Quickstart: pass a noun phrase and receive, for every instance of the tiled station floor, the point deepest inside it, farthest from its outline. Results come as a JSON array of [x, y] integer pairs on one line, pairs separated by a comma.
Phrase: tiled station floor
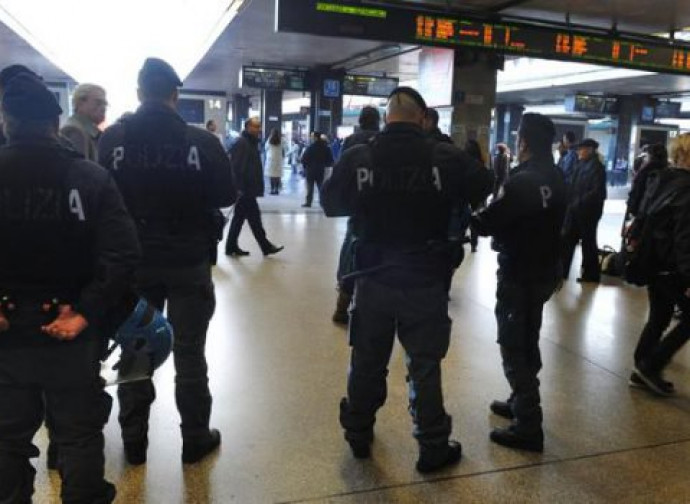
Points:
[[278, 366]]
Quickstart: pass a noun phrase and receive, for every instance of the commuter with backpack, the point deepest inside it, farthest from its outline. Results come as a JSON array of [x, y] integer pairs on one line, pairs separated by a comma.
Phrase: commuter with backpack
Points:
[[658, 244]]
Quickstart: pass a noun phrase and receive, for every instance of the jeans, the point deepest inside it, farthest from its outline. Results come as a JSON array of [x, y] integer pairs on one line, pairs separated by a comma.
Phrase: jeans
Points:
[[188, 293]]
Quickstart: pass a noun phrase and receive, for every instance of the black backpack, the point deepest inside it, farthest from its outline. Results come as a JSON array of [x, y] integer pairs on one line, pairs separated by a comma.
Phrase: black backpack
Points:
[[649, 238]]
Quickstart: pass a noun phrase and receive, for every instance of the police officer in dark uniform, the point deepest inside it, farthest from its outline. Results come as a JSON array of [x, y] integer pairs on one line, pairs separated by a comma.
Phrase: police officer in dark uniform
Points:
[[71, 255], [525, 221], [173, 178], [400, 188], [6, 75]]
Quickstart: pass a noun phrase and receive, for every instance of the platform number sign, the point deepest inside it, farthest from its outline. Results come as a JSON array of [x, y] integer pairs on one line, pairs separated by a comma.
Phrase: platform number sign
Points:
[[331, 88]]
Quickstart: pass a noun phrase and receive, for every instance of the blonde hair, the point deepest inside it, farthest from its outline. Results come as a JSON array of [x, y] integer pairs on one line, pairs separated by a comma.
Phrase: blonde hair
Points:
[[82, 93], [680, 151]]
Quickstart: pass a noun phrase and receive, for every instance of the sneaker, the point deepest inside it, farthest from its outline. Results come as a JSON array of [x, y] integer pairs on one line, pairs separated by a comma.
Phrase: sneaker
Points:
[[511, 438], [193, 450], [502, 409], [427, 465], [236, 252], [135, 452], [655, 382], [271, 249]]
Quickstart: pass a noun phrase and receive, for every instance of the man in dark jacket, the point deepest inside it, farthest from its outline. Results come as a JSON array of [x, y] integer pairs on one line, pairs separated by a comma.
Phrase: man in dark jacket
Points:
[[586, 196], [248, 173], [174, 178], [369, 125], [71, 258], [525, 221], [670, 285], [315, 159], [431, 127], [400, 188], [569, 159]]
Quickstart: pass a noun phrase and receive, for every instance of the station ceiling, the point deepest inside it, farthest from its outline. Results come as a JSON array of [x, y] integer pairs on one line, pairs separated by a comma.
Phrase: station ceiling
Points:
[[250, 39]]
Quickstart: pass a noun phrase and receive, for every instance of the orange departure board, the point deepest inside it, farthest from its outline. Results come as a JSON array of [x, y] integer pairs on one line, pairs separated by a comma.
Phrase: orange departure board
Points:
[[354, 19]]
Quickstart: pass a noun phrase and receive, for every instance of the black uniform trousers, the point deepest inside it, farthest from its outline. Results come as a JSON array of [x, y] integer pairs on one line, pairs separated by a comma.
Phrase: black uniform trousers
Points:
[[61, 380], [652, 352], [188, 293], [246, 208], [419, 316], [346, 260], [584, 230], [313, 177], [519, 306]]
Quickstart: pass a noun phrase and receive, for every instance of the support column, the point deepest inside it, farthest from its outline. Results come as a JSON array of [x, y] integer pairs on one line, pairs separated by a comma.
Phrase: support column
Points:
[[508, 117], [473, 98], [271, 111], [326, 107], [240, 111]]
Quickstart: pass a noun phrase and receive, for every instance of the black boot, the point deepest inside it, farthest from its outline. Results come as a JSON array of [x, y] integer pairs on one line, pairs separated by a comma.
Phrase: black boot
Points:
[[430, 461], [512, 438], [340, 315], [503, 408], [195, 449]]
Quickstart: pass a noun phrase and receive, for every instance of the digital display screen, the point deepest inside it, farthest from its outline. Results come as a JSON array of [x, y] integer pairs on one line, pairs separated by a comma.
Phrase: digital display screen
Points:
[[667, 109], [365, 85], [273, 78], [191, 110], [400, 25]]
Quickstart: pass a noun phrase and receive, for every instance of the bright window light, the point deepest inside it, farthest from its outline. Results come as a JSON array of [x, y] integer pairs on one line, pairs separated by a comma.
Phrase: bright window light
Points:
[[527, 73], [106, 42]]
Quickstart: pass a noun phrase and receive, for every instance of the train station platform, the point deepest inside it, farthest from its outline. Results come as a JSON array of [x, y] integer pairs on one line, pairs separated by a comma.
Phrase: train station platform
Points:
[[278, 366]]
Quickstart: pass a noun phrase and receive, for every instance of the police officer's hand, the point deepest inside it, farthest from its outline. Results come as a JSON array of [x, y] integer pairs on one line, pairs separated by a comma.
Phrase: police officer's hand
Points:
[[68, 324]]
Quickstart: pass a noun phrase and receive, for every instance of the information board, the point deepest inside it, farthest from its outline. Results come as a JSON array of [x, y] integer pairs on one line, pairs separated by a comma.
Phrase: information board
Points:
[[273, 78], [366, 85], [414, 26]]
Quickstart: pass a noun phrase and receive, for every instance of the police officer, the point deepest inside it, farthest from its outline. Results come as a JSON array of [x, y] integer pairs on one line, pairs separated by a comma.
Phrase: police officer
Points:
[[400, 188], [72, 255], [173, 178], [6, 75], [525, 221]]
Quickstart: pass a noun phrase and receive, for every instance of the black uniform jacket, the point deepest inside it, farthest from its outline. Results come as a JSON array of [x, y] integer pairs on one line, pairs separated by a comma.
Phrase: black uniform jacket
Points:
[[400, 188], [66, 234], [173, 178], [586, 193], [525, 220], [247, 170]]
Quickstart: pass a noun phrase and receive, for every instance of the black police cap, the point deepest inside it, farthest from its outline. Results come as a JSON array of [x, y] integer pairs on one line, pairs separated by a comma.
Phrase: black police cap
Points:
[[26, 97], [412, 93], [156, 69], [10, 72]]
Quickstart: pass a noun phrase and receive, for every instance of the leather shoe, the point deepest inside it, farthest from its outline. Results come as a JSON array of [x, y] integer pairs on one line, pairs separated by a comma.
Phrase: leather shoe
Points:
[[236, 251], [135, 452], [502, 409], [511, 438], [272, 249], [195, 449], [426, 464]]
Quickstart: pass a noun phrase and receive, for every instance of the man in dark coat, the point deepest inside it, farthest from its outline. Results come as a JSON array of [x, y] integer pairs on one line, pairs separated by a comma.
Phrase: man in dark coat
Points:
[[71, 257], [315, 159], [174, 178], [248, 174], [586, 196], [525, 221]]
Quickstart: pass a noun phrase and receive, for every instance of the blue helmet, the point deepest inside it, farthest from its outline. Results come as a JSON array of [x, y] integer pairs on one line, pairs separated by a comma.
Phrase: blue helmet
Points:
[[146, 331]]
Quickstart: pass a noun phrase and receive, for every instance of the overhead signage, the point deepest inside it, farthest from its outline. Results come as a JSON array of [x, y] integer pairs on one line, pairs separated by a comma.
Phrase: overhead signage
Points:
[[331, 88], [592, 104], [367, 85], [273, 78], [414, 26]]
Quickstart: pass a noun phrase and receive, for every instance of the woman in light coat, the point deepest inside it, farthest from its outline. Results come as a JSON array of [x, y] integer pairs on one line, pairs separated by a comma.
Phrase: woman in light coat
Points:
[[274, 160]]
